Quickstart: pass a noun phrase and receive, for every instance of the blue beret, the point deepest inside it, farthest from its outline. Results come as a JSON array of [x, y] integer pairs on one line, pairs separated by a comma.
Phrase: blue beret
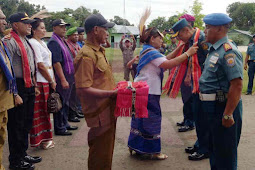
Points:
[[217, 19], [179, 25]]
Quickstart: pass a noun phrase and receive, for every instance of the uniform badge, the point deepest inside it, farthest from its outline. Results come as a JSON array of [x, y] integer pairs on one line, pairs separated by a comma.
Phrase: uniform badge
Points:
[[205, 46], [211, 65], [230, 59], [214, 59], [227, 46]]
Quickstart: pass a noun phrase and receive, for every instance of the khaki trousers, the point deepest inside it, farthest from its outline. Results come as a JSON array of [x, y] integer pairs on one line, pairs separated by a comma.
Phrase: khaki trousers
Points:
[[101, 145]]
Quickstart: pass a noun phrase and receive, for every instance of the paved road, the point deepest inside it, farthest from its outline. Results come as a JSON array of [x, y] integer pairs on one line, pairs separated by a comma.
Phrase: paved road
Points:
[[70, 153]]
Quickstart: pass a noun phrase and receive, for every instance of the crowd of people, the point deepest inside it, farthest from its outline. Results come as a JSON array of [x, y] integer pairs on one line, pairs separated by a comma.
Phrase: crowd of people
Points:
[[30, 71], [206, 66]]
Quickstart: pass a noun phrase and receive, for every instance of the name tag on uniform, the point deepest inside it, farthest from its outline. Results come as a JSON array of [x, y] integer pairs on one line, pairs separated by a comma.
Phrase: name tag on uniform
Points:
[[214, 59]]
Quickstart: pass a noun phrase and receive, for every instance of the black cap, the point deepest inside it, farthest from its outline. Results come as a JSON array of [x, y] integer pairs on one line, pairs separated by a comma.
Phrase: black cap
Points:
[[97, 20], [253, 36], [60, 22], [80, 30], [21, 17]]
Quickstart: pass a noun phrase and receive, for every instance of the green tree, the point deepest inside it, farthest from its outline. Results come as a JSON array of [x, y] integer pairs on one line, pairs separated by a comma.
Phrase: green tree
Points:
[[9, 7], [196, 12], [238, 40], [120, 21], [160, 23], [12, 6], [26, 7], [95, 11], [81, 13], [243, 15], [252, 30], [172, 20], [66, 15]]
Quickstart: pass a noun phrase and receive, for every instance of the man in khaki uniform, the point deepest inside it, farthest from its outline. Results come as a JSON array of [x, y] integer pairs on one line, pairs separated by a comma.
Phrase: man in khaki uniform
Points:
[[6, 78], [127, 49], [95, 84]]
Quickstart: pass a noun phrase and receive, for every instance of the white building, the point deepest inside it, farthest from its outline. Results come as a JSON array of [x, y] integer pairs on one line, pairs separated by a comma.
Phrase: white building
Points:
[[119, 30]]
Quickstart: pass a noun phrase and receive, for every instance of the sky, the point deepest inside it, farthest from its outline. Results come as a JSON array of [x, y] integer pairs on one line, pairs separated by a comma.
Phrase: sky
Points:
[[135, 8]]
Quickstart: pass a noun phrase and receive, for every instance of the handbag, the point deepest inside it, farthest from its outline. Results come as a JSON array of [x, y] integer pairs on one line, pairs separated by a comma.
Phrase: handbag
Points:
[[54, 103]]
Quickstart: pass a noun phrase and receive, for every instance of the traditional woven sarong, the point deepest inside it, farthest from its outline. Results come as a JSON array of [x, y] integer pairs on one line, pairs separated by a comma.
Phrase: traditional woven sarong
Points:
[[132, 99], [41, 129], [145, 132]]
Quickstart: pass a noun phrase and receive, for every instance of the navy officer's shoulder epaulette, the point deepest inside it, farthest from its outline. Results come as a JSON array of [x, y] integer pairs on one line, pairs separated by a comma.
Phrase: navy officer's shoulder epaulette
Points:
[[227, 47]]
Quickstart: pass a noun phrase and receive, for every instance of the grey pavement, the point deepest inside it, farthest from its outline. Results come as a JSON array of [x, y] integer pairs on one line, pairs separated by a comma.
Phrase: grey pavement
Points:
[[71, 152]]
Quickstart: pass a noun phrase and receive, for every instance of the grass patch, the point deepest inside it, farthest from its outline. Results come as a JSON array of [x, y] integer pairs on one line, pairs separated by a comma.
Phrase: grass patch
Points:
[[118, 77], [245, 78], [115, 54]]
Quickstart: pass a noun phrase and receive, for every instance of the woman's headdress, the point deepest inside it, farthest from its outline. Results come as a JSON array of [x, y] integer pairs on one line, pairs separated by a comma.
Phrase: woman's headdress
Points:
[[146, 33]]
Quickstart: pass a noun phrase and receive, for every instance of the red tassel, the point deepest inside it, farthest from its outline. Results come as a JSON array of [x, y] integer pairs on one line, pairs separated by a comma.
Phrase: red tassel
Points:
[[124, 100]]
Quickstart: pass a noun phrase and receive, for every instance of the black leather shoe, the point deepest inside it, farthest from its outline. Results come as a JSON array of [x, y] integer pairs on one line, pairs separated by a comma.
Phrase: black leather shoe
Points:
[[185, 128], [65, 133], [190, 149], [75, 119], [79, 115], [32, 159], [248, 93], [22, 166], [180, 123], [72, 128], [198, 156]]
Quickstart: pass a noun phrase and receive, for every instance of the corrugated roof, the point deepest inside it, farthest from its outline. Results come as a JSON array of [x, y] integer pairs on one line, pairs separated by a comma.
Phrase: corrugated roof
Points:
[[244, 32], [122, 29]]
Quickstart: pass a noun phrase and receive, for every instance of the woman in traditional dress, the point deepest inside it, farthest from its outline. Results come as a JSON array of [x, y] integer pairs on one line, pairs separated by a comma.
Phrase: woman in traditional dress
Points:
[[41, 133], [144, 136]]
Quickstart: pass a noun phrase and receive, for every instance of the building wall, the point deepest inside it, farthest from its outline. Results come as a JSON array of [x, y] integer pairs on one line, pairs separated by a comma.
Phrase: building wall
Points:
[[117, 38]]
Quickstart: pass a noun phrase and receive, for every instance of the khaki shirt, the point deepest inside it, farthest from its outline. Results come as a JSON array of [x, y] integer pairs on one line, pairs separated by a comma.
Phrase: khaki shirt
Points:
[[93, 70], [127, 52], [6, 98]]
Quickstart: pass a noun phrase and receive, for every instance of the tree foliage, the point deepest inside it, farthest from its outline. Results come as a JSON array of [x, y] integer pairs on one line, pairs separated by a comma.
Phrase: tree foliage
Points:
[[74, 17], [196, 12], [243, 15], [120, 21], [66, 15], [12, 6], [239, 40], [162, 23]]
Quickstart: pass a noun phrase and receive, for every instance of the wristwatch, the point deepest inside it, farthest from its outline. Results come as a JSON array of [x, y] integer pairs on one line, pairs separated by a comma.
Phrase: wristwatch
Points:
[[227, 117]]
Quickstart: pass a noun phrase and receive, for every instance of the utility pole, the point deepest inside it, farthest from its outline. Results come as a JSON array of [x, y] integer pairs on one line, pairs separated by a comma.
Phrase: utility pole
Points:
[[124, 21]]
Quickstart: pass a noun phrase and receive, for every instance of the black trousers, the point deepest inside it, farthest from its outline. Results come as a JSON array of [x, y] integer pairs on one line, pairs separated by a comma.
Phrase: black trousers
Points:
[[20, 123]]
